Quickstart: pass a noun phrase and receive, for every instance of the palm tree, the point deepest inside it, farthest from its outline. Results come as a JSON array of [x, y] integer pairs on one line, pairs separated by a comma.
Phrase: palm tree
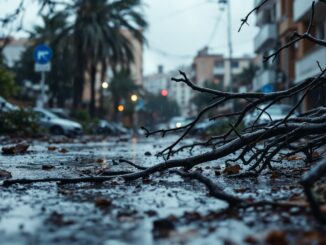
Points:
[[99, 38]]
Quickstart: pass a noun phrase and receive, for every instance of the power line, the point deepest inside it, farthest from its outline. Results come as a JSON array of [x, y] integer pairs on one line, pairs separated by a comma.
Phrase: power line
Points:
[[215, 28], [171, 55], [181, 11]]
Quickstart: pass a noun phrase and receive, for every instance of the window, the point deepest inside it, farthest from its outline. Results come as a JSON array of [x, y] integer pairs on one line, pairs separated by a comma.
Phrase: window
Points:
[[219, 64], [235, 64]]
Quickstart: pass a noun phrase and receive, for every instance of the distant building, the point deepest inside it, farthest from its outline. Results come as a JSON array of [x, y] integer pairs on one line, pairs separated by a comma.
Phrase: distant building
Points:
[[216, 68], [181, 92], [156, 82], [14, 49], [205, 67]]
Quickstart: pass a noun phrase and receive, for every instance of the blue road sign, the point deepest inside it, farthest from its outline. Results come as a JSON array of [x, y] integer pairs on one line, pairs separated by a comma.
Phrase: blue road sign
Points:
[[42, 54], [268, 88]]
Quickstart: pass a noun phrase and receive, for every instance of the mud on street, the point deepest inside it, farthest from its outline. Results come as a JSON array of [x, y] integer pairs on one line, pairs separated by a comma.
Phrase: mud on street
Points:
[[162, 209]]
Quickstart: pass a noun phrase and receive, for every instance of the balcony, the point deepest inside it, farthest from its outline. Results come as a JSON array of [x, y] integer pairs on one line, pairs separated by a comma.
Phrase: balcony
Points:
[[218, 70], [266, 36], [263, 78], [307, 66]]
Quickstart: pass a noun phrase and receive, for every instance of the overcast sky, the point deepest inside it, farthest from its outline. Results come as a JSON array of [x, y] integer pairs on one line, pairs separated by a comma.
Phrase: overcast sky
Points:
[[179, 28]]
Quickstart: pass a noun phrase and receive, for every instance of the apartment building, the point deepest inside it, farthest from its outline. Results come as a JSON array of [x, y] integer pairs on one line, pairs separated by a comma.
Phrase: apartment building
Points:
[[157, 82], [308, 53], [266, 41], [277, 21], [216, 68]]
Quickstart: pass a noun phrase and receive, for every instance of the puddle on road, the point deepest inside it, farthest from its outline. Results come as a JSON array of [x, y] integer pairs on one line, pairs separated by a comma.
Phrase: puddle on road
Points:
[[21, 218]]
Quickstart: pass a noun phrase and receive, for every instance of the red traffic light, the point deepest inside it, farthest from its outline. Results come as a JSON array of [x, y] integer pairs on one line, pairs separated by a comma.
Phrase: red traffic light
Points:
[[164, 92]]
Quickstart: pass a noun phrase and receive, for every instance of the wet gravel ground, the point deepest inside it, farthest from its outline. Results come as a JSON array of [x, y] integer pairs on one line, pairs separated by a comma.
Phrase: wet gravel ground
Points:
[[164, 209]]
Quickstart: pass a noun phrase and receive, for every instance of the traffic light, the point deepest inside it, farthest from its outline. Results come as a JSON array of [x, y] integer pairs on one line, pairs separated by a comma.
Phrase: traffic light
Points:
[[164, 92]]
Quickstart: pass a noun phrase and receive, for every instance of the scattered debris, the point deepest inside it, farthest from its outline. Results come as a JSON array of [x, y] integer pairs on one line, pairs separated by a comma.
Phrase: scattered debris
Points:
[[162, 228], [4, 174], [103, 203], [52, 148], [19, 148], [58, 219], [147, 153], [47, 167], [63, 150], [232, 169], [276, 238]]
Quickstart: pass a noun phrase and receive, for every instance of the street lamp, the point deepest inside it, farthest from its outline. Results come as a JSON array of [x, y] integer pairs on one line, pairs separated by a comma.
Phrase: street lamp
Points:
[[121, 108], [105, 85], [134, 98]]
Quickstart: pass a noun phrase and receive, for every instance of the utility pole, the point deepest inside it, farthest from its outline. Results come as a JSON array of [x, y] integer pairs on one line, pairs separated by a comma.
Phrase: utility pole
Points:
[[230, 48]]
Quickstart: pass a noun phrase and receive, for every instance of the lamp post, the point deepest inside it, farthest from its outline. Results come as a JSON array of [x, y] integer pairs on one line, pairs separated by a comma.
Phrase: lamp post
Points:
[[134, 99], [103, 88]]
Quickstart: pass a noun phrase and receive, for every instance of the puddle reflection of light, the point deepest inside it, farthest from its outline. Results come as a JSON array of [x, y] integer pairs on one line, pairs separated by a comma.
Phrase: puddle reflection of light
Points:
[[134, 144]]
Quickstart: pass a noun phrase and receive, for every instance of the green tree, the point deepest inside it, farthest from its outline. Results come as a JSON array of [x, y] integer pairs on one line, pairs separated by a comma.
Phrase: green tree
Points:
[[99, 39], [160, 108], [7, 82], [122, 87]]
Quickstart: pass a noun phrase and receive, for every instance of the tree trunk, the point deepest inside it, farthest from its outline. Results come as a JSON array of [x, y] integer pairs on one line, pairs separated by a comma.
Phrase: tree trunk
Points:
[[79, 80], [92, 108]]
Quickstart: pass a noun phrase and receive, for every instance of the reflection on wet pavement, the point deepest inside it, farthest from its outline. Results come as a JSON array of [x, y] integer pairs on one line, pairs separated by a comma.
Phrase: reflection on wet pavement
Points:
[[116, 212]]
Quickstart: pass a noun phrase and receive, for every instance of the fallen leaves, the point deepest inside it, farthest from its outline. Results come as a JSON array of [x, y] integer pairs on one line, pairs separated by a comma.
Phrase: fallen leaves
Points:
[[103, 203], [276, 238], [59, 220], [232, 169], [251, 240], [63, 150], [293, 158], [52, 148], [100, 160], [19, 148], [4, 174], [162, 228]]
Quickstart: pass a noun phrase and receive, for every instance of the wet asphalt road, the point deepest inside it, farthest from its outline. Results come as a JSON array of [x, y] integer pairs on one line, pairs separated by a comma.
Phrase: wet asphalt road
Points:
[[164, 209]]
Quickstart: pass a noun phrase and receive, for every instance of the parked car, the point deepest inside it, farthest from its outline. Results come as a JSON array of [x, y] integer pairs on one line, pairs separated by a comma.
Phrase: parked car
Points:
[[207, 125], [177, 122], [62, 113], [274, 112], [57, 125], [111, 128], [5, 106], [119, 128]]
